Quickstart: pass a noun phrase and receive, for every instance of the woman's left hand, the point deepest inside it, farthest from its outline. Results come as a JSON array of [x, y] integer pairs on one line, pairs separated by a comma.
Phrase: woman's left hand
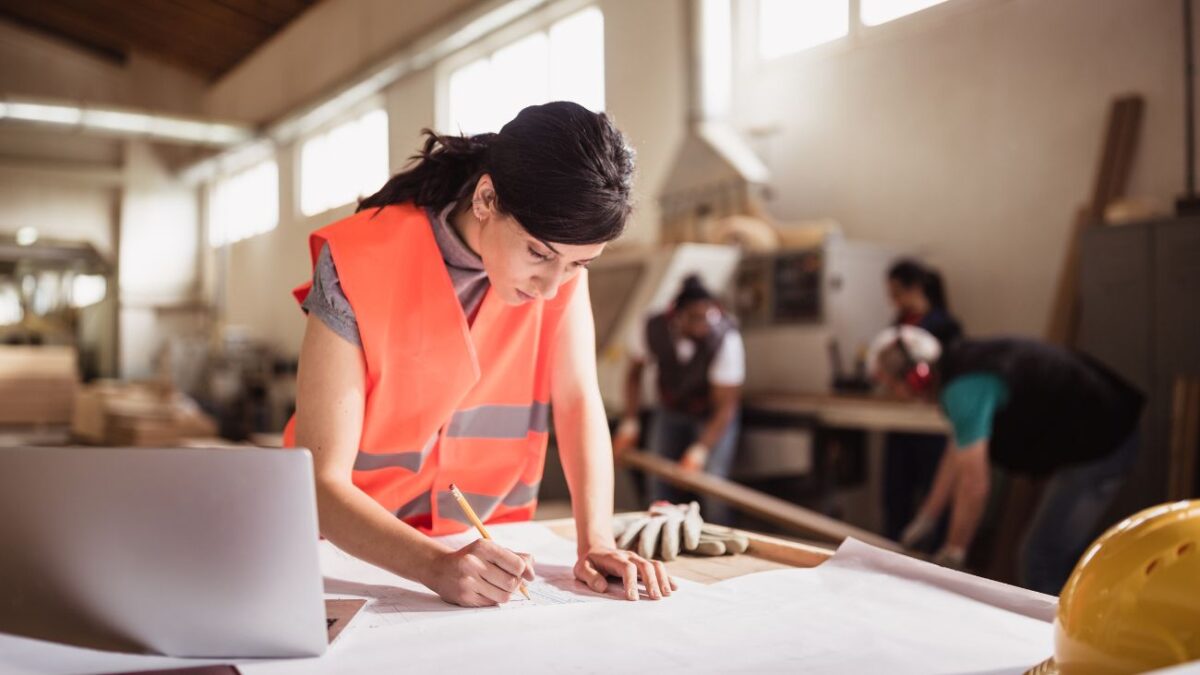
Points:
[[600, 563]]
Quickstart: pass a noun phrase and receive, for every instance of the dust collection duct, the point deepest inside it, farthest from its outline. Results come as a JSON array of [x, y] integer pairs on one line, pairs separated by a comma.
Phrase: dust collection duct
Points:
[[715, 175]]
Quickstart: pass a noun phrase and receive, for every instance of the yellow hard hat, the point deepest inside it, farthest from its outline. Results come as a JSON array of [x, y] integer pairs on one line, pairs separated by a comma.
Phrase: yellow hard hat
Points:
[[1132, 603]]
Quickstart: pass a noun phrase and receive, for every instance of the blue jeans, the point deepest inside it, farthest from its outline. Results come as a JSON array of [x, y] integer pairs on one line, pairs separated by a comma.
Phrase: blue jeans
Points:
[[1069, 514], [910, 462], [670, 436]]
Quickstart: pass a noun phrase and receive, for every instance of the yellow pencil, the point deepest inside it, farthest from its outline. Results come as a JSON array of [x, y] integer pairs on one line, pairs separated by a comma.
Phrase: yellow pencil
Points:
[[466, 507]]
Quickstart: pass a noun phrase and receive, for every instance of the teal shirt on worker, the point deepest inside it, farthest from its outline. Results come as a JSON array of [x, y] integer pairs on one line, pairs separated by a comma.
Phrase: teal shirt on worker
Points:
[[971, 402]]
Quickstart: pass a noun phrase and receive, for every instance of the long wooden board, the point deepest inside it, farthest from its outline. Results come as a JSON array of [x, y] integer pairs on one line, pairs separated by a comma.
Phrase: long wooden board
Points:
[[795, 518]]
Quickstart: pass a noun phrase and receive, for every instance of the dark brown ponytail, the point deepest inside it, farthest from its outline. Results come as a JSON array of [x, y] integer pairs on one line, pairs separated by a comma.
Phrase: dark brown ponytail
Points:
[[563, 172]]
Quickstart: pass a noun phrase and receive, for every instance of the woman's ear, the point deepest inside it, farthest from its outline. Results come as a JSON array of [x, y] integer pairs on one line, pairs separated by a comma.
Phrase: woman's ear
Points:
[[484, 200]]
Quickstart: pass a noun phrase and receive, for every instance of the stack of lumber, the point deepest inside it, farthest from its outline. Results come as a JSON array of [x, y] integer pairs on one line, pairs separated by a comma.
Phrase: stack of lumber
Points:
[[37, 384], [137, 414]]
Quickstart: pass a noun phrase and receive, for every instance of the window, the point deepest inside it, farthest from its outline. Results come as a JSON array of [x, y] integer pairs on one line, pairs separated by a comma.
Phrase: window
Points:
[[788, 26], [875, 12], [10, 304], [244, 204], [88, 289], [343, 164], [562, 63]]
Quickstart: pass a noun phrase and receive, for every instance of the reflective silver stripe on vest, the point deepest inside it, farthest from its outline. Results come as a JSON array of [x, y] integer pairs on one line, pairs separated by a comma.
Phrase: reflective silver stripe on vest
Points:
[[485, 505], [419, 506], [500, 421], [413, 461], [521, 494]]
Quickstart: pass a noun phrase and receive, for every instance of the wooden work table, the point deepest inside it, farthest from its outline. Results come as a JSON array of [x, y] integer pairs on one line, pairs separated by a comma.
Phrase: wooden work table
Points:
[[845, 411], [874, 416]]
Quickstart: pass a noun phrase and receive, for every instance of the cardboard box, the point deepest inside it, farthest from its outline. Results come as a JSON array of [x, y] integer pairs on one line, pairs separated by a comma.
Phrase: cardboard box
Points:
[[137, 414], [37, 384]]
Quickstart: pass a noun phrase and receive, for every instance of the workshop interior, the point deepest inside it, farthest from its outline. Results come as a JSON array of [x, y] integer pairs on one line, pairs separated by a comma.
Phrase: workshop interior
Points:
[[849, 316]]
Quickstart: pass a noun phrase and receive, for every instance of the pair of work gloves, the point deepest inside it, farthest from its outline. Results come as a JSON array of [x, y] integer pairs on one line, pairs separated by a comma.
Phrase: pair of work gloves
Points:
[[667, 530], [919, 531]]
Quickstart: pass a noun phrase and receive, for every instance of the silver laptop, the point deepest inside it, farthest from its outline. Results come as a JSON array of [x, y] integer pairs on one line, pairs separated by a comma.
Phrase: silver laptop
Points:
[[184, 552]]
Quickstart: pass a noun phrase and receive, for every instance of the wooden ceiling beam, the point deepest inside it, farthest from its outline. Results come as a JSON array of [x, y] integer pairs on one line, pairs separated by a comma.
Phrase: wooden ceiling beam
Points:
[[208, 37]]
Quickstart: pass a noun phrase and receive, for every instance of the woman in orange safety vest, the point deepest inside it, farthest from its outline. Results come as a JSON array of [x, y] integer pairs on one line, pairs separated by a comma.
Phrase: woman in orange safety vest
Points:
[[444, 319]]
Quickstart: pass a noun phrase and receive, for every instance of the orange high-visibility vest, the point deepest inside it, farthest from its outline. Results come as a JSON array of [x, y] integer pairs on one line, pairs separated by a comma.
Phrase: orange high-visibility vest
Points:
[[445, 403]]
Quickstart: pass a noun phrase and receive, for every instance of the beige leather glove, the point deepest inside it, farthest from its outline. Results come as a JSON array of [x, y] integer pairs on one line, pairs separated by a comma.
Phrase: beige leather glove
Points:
[[667, 530], [659, 532], [718, 540]]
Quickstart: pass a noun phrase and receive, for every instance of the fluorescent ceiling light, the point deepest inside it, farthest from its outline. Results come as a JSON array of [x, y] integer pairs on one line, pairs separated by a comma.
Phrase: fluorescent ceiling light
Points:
[[38, 112], [110, 120], [130, 123]]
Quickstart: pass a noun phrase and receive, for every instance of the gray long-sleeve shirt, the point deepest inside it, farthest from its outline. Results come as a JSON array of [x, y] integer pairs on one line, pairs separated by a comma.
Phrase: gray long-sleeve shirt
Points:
[[329, 303]]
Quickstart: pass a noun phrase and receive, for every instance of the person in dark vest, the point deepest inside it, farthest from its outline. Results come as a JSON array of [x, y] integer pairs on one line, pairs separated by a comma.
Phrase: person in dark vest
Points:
[[701, 365], [1029, 408], [910, 460]]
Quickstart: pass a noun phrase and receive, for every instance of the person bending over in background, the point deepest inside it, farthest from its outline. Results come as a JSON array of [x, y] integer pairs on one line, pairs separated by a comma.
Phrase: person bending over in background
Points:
[[1032, 409], [911, 460], [701, 366]]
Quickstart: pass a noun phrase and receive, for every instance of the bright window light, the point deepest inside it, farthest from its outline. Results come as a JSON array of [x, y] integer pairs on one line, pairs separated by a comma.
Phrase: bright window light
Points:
[[88, 289], [346, 163], [789, 26], [10, 305], [244, 204], [716, 57], [875, 12], [577, 59], [563, 63], [47, 292]]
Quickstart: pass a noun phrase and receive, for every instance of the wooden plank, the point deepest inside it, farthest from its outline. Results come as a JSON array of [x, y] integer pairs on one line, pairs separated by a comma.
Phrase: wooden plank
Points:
[[1120, 146], [778, 511], [1064, 312], [1112, 177], [36, 17], [786, 552]]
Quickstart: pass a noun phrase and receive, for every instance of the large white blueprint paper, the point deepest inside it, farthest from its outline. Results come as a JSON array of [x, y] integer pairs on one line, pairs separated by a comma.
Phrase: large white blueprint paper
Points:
[[865, 610], [854, 554], [852, 614]]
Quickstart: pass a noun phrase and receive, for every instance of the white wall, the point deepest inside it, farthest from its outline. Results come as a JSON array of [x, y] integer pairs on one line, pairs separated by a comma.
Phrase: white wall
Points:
[[158, 255], [260, 272], [972, 134], [89, 188], [70, 210]]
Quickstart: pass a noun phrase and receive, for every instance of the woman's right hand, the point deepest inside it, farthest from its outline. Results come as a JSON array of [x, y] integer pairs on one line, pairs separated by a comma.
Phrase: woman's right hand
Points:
[[480, 574]]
